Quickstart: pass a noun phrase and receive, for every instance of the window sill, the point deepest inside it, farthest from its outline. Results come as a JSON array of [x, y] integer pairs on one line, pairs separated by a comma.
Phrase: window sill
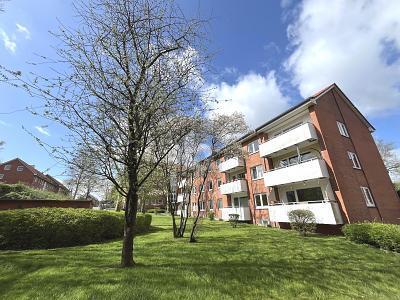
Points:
[[254, 152], [261, 207], [357, 168], [371, 206]]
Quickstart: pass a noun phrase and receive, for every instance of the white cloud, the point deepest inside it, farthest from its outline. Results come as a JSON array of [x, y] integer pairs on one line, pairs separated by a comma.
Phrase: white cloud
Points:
[[4, 123], [42, 130], [24, 30], [9, 43], [353, 43], [258, 97]]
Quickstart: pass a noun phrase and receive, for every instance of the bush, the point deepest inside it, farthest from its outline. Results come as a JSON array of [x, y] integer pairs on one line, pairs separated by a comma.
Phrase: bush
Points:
[[211, 216], [385, 236], [42, 228], [23, 192], [233, 219], [302, 220], [156, 211]]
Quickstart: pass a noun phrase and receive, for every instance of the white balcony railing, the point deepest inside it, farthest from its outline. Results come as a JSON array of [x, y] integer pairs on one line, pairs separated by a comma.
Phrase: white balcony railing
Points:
[[296, 136], [243, 212], [311, 169], [233, 187], [325, 212], [231, 165]]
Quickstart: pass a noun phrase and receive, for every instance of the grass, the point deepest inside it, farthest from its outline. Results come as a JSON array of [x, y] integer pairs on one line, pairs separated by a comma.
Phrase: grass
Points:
[[246, 262]]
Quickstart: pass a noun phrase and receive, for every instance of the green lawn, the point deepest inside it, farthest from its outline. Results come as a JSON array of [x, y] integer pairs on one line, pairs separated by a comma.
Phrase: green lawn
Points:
[[247, 262]]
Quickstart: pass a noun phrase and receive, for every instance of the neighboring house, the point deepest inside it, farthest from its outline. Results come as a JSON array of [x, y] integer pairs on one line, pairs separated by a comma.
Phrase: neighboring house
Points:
[[17, 171], [319, 155]]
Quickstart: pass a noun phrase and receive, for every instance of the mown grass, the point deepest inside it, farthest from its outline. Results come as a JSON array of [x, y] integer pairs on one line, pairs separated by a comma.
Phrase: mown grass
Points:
[[246, 262]]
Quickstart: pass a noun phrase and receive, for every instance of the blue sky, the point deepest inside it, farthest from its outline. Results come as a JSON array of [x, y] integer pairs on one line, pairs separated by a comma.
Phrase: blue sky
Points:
[[268, 54]]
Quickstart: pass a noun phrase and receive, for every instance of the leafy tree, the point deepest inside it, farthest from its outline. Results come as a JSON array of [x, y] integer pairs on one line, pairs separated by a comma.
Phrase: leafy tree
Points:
[[303, 221]]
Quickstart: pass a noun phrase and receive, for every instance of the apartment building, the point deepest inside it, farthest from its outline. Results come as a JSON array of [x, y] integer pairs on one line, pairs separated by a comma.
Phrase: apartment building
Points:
[[18, 171], [319, 155]]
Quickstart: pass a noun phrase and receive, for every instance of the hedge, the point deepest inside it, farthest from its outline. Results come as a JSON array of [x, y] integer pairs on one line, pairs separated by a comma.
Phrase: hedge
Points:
[[22, 192], [43, 228], [385, 236]]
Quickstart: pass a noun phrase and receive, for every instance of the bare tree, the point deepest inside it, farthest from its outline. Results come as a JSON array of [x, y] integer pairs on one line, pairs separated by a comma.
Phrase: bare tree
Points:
[[129, 86], [389, 157], [222, 132]]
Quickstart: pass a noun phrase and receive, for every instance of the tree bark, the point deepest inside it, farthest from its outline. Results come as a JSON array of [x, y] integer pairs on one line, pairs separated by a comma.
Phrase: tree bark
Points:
[[127, 256]]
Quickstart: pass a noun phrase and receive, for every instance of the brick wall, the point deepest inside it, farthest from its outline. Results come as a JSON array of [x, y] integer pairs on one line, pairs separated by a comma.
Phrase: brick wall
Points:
[[345, 180]]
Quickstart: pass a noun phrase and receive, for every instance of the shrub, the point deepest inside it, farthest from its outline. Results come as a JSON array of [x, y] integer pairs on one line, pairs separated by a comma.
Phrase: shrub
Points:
[[302, 220], [385, 236], [211, 216], [42, 228], [156, 211], [233, 219], [23, 192]]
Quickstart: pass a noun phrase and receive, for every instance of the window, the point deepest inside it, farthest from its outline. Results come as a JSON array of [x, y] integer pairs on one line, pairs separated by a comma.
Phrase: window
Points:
[[219, 203], [229, 204], [218, 162], [295, 159], [235, 202], [261, 200], [20, 168], [257, 172], [201, 205], [354, 159], [310, 194], [211, 204], [253, 147], [367, 196], [201, 188], [1, 176], [219, 182], [7, 167], [291, 196], [342, 129], [210, 185]]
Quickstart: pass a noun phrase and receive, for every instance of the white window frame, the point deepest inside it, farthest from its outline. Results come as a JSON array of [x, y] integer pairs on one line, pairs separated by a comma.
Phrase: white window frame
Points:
[[369, 200], [263, 205], [260, 175], [20, 168], [1, 176], [211, 204], [251, 147], [354, 159], [219, 182], [342, 129], [7, 167], [210, 185]]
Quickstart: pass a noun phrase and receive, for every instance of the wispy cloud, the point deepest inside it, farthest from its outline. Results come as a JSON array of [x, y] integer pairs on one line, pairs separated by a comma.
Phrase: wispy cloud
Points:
[[43, 130], [4, 123], [24, 30], [9, 43]]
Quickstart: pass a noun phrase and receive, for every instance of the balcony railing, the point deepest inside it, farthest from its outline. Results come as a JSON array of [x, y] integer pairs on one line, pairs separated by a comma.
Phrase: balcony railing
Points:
[[325, 211], [296, 136], [231, 165], [243, 212], [233, 187], [306, 170]]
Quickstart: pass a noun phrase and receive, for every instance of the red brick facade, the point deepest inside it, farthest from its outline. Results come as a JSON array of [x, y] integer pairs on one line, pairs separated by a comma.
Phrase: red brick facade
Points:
[[18, 171], [342, 186]]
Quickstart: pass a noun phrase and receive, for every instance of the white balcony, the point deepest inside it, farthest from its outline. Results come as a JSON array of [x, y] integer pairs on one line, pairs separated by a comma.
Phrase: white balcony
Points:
[[299, 135], [307, 170], [326, 212], [238, 186], [231, 165], [243, 212], [179, 198]]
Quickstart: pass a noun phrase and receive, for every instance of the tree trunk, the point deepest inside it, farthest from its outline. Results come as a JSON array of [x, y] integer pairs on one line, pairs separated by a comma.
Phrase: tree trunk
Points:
[[131, 206]]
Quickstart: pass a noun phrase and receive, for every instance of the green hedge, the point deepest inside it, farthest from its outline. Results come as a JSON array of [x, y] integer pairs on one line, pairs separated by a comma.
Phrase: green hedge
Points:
[[385, 236], [43, 228], [23, 192]]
